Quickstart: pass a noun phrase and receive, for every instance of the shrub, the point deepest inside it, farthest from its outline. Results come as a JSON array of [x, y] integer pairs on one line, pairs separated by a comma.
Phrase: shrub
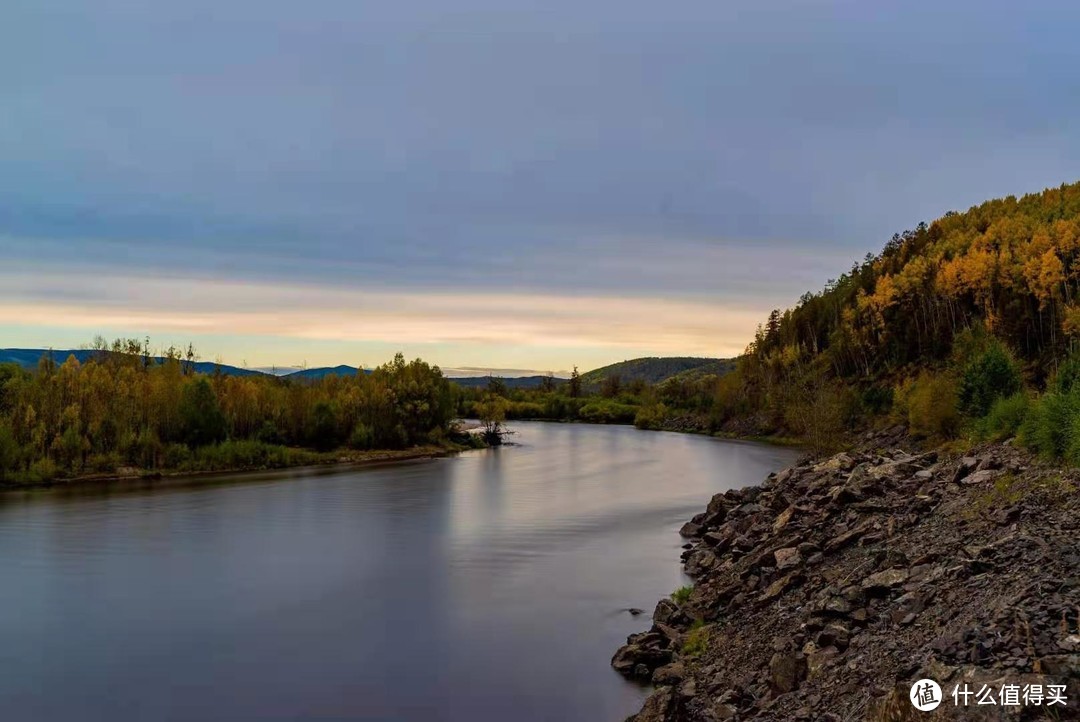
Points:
[[362, 437], [1067, 375], [1047, 427], [1005, 418], [821, 413], [103, 463], [247, 455], [177, 456], [989, 376], [69, 447], [876, 399], [608, 412], [651, 417], [931, 402], [682, 594], [268, 433], [42, 470], [525, 410], [147, 449]]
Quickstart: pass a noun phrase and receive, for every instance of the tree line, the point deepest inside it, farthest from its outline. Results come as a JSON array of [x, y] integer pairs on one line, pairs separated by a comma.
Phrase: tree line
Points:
[[967, 326], [127, 407], [913, 333]]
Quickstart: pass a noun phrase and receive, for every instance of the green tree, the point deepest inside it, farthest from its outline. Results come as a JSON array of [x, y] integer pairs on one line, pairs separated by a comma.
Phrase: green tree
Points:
[[611, 386], [574, 384], [9, 450], [492, 413], [989, 376], [325, 429], [201, 419]]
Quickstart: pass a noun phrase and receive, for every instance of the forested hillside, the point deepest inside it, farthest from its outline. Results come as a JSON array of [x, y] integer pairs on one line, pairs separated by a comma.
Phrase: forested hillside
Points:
[[653, 369], [946, 321]]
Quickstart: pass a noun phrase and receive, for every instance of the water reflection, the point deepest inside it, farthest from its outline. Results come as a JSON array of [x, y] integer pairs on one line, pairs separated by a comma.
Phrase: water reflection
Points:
[[485, 586]]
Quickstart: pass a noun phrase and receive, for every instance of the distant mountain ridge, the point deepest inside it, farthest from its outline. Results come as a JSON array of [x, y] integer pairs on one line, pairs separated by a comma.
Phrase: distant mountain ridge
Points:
[[324, 371], [652, 370], [29, 357]]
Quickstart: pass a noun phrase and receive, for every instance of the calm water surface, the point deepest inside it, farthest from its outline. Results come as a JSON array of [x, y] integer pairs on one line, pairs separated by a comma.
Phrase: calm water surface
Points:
[[483, 587]]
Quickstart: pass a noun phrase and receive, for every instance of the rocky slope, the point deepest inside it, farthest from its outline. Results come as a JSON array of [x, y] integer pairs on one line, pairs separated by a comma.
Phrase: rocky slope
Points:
[[826, 591]]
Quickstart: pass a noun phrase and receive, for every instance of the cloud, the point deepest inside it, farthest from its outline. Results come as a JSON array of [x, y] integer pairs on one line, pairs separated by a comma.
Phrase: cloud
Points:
[[177, 306], [710, 158]]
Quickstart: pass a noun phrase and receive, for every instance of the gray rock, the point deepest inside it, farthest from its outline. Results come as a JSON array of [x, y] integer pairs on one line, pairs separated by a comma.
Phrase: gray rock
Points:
[[787, 558], [885, 580], [690, 529], [665, 610], [669, 674], [965, 467], [786, 671], [983, 476]]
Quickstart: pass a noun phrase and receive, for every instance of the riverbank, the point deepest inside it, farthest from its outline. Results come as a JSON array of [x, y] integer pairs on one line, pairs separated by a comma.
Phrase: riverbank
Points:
[[826, 591], [304, 460], [687, 425], [273, 458]]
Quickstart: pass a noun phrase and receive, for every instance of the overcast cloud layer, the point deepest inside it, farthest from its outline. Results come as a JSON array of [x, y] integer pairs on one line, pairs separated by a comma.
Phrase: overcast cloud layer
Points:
[[580, 181]]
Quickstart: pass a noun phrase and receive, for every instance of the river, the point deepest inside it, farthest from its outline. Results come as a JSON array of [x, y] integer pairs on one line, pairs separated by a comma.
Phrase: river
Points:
[[487, 586]]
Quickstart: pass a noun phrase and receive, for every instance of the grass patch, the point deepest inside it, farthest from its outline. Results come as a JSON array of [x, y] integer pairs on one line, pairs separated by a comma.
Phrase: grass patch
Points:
[[697, 639], [682, 595], [1005, 418], [1010, 489]]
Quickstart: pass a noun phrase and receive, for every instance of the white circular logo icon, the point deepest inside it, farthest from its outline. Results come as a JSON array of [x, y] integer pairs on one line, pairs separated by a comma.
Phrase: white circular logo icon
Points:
[[925, 695]]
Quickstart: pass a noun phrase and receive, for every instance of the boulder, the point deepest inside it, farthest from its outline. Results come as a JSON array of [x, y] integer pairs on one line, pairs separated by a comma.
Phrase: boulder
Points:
[[819, 660], [641, 654], [834, 635], [786, 671], [840, 462], [966, 466], [787, 558], [670, 674], [659, 706], [983, 476], [884, 581], [783, 519], [700, 561], [690, 529], [665, 610]]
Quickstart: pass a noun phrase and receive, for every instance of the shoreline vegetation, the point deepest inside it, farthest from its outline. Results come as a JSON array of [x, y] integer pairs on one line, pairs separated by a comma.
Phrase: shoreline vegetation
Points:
[[299, 462], [127, 413]]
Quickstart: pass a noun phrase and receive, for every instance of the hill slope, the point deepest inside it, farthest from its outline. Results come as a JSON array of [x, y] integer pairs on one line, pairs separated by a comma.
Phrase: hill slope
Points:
[[655, 369], [901, 326]]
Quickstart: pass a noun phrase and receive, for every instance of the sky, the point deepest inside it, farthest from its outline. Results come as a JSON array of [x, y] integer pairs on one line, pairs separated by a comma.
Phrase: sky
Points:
[[495, 184]]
